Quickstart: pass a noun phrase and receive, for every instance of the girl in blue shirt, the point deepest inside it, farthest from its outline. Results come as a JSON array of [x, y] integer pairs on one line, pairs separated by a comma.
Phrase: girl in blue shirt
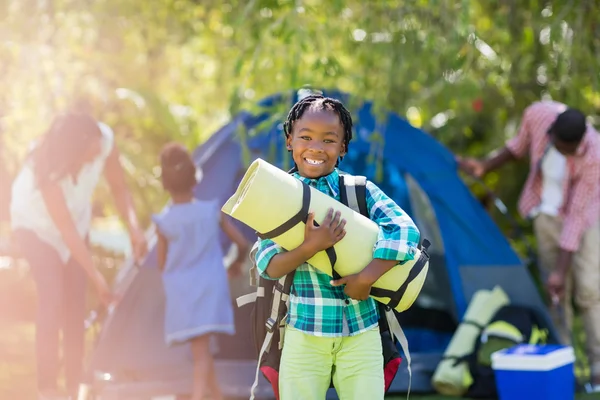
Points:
[[198, 303]]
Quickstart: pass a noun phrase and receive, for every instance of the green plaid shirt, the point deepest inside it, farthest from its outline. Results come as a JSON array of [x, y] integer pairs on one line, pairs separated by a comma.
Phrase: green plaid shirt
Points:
[[316, 307]]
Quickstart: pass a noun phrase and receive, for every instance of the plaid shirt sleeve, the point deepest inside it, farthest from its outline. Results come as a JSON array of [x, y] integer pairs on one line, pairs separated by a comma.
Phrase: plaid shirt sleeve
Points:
[[582, 196], [519, 145], [267, 249], [398, 235]]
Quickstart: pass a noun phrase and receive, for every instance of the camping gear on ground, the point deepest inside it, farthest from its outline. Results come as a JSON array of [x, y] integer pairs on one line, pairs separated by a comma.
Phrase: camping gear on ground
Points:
[[276, 205], [526, 372], [583, 383], [512, 325], [271, 301], [468, 251], [452, 374]]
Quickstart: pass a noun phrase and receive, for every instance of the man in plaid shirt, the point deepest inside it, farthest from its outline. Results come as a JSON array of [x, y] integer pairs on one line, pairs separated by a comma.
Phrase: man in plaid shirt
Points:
[[332, 326], [562, 197]]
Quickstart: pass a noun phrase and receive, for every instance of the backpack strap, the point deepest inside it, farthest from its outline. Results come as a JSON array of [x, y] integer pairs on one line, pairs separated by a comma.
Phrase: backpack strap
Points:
[[397, 332], [250, 297], [281, 292], [353, 193], [396, 296]]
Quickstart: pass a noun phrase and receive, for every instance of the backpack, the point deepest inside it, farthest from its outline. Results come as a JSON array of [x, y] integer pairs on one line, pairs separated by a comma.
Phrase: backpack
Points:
[[271, 298], [511, 325]]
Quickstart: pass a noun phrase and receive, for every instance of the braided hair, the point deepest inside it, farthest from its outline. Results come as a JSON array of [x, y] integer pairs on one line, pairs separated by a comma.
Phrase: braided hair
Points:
[[319, 102]]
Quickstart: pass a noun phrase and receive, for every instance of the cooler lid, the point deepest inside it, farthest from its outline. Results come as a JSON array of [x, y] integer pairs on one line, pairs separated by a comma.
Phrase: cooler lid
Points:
[[533, 357]]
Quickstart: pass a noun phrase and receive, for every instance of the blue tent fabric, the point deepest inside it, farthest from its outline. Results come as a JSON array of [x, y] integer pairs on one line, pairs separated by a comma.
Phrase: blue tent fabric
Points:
[[470, 236]]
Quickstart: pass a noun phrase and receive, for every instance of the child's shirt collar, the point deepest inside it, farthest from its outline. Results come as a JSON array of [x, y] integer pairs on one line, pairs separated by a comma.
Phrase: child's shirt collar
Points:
[[332, 181]]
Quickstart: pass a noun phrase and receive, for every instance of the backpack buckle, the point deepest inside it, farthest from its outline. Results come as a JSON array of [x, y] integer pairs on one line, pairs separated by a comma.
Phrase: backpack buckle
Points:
[[270, 324], [279, 287]]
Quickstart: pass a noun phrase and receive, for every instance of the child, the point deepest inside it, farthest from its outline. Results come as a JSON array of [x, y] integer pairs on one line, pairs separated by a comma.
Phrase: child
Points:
[[332, 326], [194, 278]]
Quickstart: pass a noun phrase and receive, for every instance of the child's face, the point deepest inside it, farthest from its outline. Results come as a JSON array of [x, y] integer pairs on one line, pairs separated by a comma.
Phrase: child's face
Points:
[[317, 141]]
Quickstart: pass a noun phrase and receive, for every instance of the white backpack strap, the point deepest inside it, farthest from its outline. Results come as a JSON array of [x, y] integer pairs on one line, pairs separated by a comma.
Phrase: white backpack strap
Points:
[[278, 296], [354, 196], [350, 189], [396, 331], [250, 297], [253, 270]]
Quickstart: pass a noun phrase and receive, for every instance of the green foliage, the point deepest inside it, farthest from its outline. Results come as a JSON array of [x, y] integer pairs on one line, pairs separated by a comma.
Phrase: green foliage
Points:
[[178, 69]]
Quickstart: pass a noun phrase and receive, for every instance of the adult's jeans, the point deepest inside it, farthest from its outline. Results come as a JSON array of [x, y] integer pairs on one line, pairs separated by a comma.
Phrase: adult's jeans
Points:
[[61, 292]]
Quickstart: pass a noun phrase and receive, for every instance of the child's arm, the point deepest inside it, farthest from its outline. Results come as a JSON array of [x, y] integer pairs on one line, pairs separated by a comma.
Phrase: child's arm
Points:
[[282, 263], [267, 249], [396, 243], [273, 262], [240, 241], [161, 250]]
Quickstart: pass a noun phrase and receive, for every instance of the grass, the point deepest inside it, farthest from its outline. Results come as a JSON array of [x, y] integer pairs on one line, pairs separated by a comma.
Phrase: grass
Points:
[[17, 362], [17, 368]]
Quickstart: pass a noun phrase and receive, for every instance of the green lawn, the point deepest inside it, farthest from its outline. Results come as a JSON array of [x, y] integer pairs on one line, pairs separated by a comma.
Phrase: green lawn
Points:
[[17, 367], [17, 372]]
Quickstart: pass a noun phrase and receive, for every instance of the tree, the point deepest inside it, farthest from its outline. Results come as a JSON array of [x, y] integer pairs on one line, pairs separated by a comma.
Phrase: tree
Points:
[[178, 69]]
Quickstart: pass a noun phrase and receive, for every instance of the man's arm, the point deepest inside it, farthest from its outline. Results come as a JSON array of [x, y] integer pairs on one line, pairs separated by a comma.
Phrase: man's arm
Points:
[[519, 146], [497, 159], [515, 148]]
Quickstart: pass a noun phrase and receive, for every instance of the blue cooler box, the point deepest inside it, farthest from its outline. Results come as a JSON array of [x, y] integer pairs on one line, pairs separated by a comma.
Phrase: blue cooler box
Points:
[[528, 372]]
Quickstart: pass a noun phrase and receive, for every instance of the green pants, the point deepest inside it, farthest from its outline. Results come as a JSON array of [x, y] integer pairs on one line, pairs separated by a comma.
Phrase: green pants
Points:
[[308, 364]]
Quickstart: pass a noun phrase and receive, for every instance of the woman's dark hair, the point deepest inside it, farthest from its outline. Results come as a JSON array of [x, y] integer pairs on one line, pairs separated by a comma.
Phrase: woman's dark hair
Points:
[[178, 171], [319, 102], [61, 147]]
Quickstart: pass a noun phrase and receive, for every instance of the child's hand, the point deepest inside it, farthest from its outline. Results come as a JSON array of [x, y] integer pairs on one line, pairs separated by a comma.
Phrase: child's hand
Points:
[[357, 286], [327, 234]]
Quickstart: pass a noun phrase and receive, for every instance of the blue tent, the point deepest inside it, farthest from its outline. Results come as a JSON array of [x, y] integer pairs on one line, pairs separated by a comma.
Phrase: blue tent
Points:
[[468, 251]]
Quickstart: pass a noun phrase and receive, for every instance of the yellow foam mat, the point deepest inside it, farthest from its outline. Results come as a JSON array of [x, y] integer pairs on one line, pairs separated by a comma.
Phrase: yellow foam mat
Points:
[[453, 380], [267, 197]]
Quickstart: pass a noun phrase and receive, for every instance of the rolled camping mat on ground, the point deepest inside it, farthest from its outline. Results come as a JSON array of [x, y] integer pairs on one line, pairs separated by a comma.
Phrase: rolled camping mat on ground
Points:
[[276, 205], [452, 377]]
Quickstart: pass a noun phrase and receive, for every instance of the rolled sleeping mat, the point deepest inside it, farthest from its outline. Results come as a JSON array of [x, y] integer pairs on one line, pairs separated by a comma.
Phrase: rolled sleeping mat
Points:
[[452, 376], [276, 205]]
